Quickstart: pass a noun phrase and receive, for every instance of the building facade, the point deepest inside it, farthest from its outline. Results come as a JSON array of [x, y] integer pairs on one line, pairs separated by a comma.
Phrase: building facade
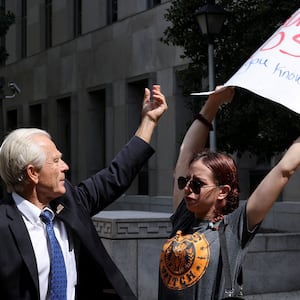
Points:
[[82, 67]]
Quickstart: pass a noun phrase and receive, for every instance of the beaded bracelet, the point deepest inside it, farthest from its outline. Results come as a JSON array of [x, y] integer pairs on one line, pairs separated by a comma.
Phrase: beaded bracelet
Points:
[[203, 120]]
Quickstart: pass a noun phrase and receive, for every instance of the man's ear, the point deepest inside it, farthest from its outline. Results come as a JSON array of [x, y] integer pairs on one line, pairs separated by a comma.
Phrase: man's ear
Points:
[[32, 174]]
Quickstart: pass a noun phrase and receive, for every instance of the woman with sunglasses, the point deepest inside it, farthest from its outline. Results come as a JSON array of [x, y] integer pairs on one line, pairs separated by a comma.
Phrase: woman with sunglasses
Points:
[[206, 197]]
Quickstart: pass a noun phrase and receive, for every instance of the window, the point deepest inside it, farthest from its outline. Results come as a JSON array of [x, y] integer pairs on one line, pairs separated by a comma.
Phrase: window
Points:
[[112, 11], [2, 12], [35, 115], [11, 120], [140, 186], [23, 28], [48, 23], [156, 2], [77, 17], [96, 134], [153, 3], [63, 136]]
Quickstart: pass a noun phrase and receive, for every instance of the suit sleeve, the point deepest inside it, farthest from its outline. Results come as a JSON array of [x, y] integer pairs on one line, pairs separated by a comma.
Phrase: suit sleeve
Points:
[[101, 189]]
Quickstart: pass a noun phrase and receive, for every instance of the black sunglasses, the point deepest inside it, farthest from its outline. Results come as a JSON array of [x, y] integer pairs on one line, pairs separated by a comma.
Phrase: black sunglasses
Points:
[[194, 184]]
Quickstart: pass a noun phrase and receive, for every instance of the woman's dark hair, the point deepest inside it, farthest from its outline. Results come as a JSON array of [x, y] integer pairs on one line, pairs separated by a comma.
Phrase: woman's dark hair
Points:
[[224, 171]]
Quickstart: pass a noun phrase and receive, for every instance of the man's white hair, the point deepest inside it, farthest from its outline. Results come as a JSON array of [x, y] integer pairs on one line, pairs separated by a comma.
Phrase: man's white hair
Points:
[[18, 150]]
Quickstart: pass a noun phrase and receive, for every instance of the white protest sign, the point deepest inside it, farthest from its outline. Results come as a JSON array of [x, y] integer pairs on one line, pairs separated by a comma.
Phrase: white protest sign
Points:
[[273, 71]]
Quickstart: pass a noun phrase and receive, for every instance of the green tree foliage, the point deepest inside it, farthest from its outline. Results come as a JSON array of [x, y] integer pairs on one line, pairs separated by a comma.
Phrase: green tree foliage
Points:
[[6, 20], [249, 123]]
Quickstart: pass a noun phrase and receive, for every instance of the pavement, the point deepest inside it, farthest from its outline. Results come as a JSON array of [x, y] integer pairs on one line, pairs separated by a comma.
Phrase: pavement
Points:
[[294, 295]]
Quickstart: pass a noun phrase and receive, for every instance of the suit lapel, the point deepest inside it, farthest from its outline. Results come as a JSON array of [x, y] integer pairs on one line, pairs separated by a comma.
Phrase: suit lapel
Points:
[[22, 240], [73, 219], [63, 213], [77, 222], [81, 224]]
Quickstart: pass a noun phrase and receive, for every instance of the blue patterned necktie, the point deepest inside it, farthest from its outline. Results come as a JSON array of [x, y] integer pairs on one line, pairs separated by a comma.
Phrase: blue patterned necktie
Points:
[[58, 275]]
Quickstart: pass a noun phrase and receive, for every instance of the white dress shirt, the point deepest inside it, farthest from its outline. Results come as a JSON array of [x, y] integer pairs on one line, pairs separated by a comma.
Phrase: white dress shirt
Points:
[[38, 236]]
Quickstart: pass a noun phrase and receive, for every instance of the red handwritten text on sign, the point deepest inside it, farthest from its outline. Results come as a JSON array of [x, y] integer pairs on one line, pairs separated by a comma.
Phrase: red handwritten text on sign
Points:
[[281, 39]]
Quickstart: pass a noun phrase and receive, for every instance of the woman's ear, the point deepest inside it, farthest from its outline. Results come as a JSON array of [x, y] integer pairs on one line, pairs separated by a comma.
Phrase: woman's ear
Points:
[[224, 191]]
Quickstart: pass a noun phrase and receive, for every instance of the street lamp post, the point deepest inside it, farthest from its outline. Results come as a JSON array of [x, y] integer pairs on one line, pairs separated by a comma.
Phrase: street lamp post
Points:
[[211, 18]]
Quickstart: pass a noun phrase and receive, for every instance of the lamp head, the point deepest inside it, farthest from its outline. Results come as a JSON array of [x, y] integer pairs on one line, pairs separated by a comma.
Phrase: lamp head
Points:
[[211, 18]]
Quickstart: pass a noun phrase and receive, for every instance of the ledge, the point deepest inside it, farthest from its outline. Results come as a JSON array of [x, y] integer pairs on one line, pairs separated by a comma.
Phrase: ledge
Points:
[[129, 224]]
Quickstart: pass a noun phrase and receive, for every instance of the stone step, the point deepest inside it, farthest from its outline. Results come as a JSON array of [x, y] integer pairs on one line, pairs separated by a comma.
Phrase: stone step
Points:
[[294, 295]]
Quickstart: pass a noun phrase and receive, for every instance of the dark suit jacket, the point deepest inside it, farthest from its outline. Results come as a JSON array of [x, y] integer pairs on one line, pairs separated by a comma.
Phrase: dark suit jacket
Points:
[[96, 270]]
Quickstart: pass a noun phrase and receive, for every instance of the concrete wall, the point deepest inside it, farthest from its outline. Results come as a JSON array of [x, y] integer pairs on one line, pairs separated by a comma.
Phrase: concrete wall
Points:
[[135, 239], [272, 264]]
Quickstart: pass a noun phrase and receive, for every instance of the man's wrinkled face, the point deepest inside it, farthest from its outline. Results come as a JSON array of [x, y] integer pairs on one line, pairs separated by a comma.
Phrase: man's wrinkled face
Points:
[[51, 177]]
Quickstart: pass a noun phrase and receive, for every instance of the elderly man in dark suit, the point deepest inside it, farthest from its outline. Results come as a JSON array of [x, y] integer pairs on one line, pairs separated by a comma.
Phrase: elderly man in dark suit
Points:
[[33, 170]]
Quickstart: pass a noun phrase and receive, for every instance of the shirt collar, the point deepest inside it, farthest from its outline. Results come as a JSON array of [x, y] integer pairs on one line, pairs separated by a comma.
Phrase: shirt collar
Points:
[[29, 211], [52, 213]]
